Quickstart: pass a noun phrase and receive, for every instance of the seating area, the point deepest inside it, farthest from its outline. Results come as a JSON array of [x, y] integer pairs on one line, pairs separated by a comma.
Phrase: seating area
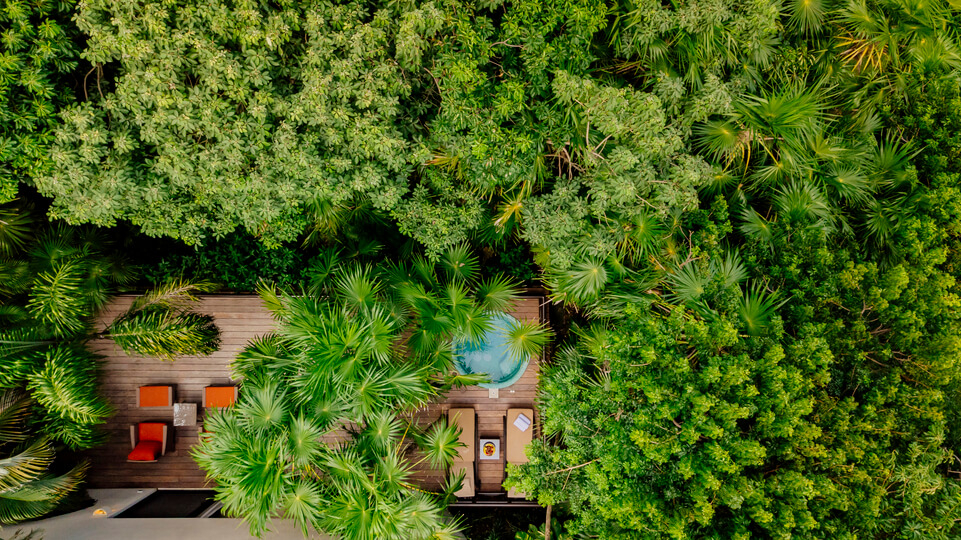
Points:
[[149, 440]]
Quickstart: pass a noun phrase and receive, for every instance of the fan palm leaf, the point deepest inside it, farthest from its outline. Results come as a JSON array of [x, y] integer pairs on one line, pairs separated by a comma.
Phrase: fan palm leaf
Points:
[[459, 264], [582, 283], [357, 289], [306, 446], [758, 306], [722, 140], [688, 284], [263, 409], [16, 229], [496, 293], [730, 269], [382, 431], [807, 16], [756, 227], [801, 202], [304, 505], [527, 339], [440, 444]]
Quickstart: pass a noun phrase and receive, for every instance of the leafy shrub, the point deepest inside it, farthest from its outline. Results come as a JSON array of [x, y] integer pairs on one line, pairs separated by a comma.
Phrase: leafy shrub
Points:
[[237, 263]]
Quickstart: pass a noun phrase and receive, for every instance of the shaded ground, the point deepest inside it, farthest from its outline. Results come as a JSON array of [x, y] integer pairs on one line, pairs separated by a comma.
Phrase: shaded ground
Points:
[[498, 523]]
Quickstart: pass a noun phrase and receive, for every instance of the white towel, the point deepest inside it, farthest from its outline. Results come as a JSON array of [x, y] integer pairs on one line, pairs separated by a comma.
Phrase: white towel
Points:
[[523, 422]]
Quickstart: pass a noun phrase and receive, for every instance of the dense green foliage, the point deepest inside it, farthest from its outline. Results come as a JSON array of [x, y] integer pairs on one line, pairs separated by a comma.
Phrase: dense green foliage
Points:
[[27, 489], [750, 210], [38, 56], [53, 286], [224, 117]]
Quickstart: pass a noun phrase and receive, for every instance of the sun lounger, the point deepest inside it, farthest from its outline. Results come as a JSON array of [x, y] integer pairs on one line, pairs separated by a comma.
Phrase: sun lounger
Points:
[[466, 419], [155, 396], [148, 441], [520, 433]]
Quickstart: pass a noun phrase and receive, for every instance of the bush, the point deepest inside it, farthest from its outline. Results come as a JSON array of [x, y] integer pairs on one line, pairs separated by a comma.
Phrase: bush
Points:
[[237, 262]]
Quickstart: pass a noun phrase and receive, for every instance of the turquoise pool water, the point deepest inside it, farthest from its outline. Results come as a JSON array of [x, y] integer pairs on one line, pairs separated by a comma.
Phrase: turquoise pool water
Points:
[[491, 355]]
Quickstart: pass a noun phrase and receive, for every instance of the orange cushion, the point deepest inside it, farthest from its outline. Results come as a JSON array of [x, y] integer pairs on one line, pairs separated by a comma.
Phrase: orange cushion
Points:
[[150, 431], [155, 396], [219, 396], [145, 451]]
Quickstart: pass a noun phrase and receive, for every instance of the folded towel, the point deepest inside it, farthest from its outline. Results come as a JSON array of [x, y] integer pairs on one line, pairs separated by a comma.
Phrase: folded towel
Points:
[[522, 422]]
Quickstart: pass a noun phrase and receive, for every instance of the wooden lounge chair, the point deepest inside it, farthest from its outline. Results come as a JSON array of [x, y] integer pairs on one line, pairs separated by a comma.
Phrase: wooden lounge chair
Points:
[[518, 439], [148, 441], [466, 419], [220, 396], [155, 396]]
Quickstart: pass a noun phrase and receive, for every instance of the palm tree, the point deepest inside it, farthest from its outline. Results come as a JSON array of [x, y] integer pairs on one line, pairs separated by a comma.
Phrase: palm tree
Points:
[[27, 490], [323, 433], [63, 277]]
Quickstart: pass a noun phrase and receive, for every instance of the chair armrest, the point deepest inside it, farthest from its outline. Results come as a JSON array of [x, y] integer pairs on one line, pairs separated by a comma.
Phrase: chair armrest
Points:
[[163, 445], [133, 436]]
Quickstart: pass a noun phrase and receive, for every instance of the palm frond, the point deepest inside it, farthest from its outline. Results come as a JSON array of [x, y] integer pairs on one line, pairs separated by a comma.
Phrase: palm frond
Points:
[[305, 505], [56, 299], [321, 269], [306, 446], [357, 288], [527, 339], [25, 466], [730, 269], [496, 293], [16, 229], [14, 408], [758, 305], [67, 386], [263, 408], [807, 16], [582, 283], [688, 284], [756, 227], [722, 140], [175, 294], [440, 444], [382, 431], [459, 264], [801, 202], [156, 331]]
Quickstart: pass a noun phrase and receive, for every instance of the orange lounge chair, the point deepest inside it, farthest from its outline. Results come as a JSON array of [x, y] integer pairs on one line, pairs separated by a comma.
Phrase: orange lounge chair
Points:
[[149, 441], [466, 419], [155, 396], [220, 396], [518, 439]]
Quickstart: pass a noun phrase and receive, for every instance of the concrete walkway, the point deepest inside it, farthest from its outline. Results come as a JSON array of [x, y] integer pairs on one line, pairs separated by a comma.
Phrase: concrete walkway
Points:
[[86, 525]]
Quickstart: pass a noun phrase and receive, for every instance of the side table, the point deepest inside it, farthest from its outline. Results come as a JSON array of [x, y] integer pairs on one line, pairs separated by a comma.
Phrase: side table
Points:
[[185, 414]]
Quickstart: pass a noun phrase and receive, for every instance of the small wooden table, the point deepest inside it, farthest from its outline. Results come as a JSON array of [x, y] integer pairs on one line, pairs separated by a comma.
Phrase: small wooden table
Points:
[[185, 414]]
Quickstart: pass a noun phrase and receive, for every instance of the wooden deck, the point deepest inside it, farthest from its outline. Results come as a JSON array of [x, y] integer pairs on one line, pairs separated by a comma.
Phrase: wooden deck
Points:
[[241, 318]]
